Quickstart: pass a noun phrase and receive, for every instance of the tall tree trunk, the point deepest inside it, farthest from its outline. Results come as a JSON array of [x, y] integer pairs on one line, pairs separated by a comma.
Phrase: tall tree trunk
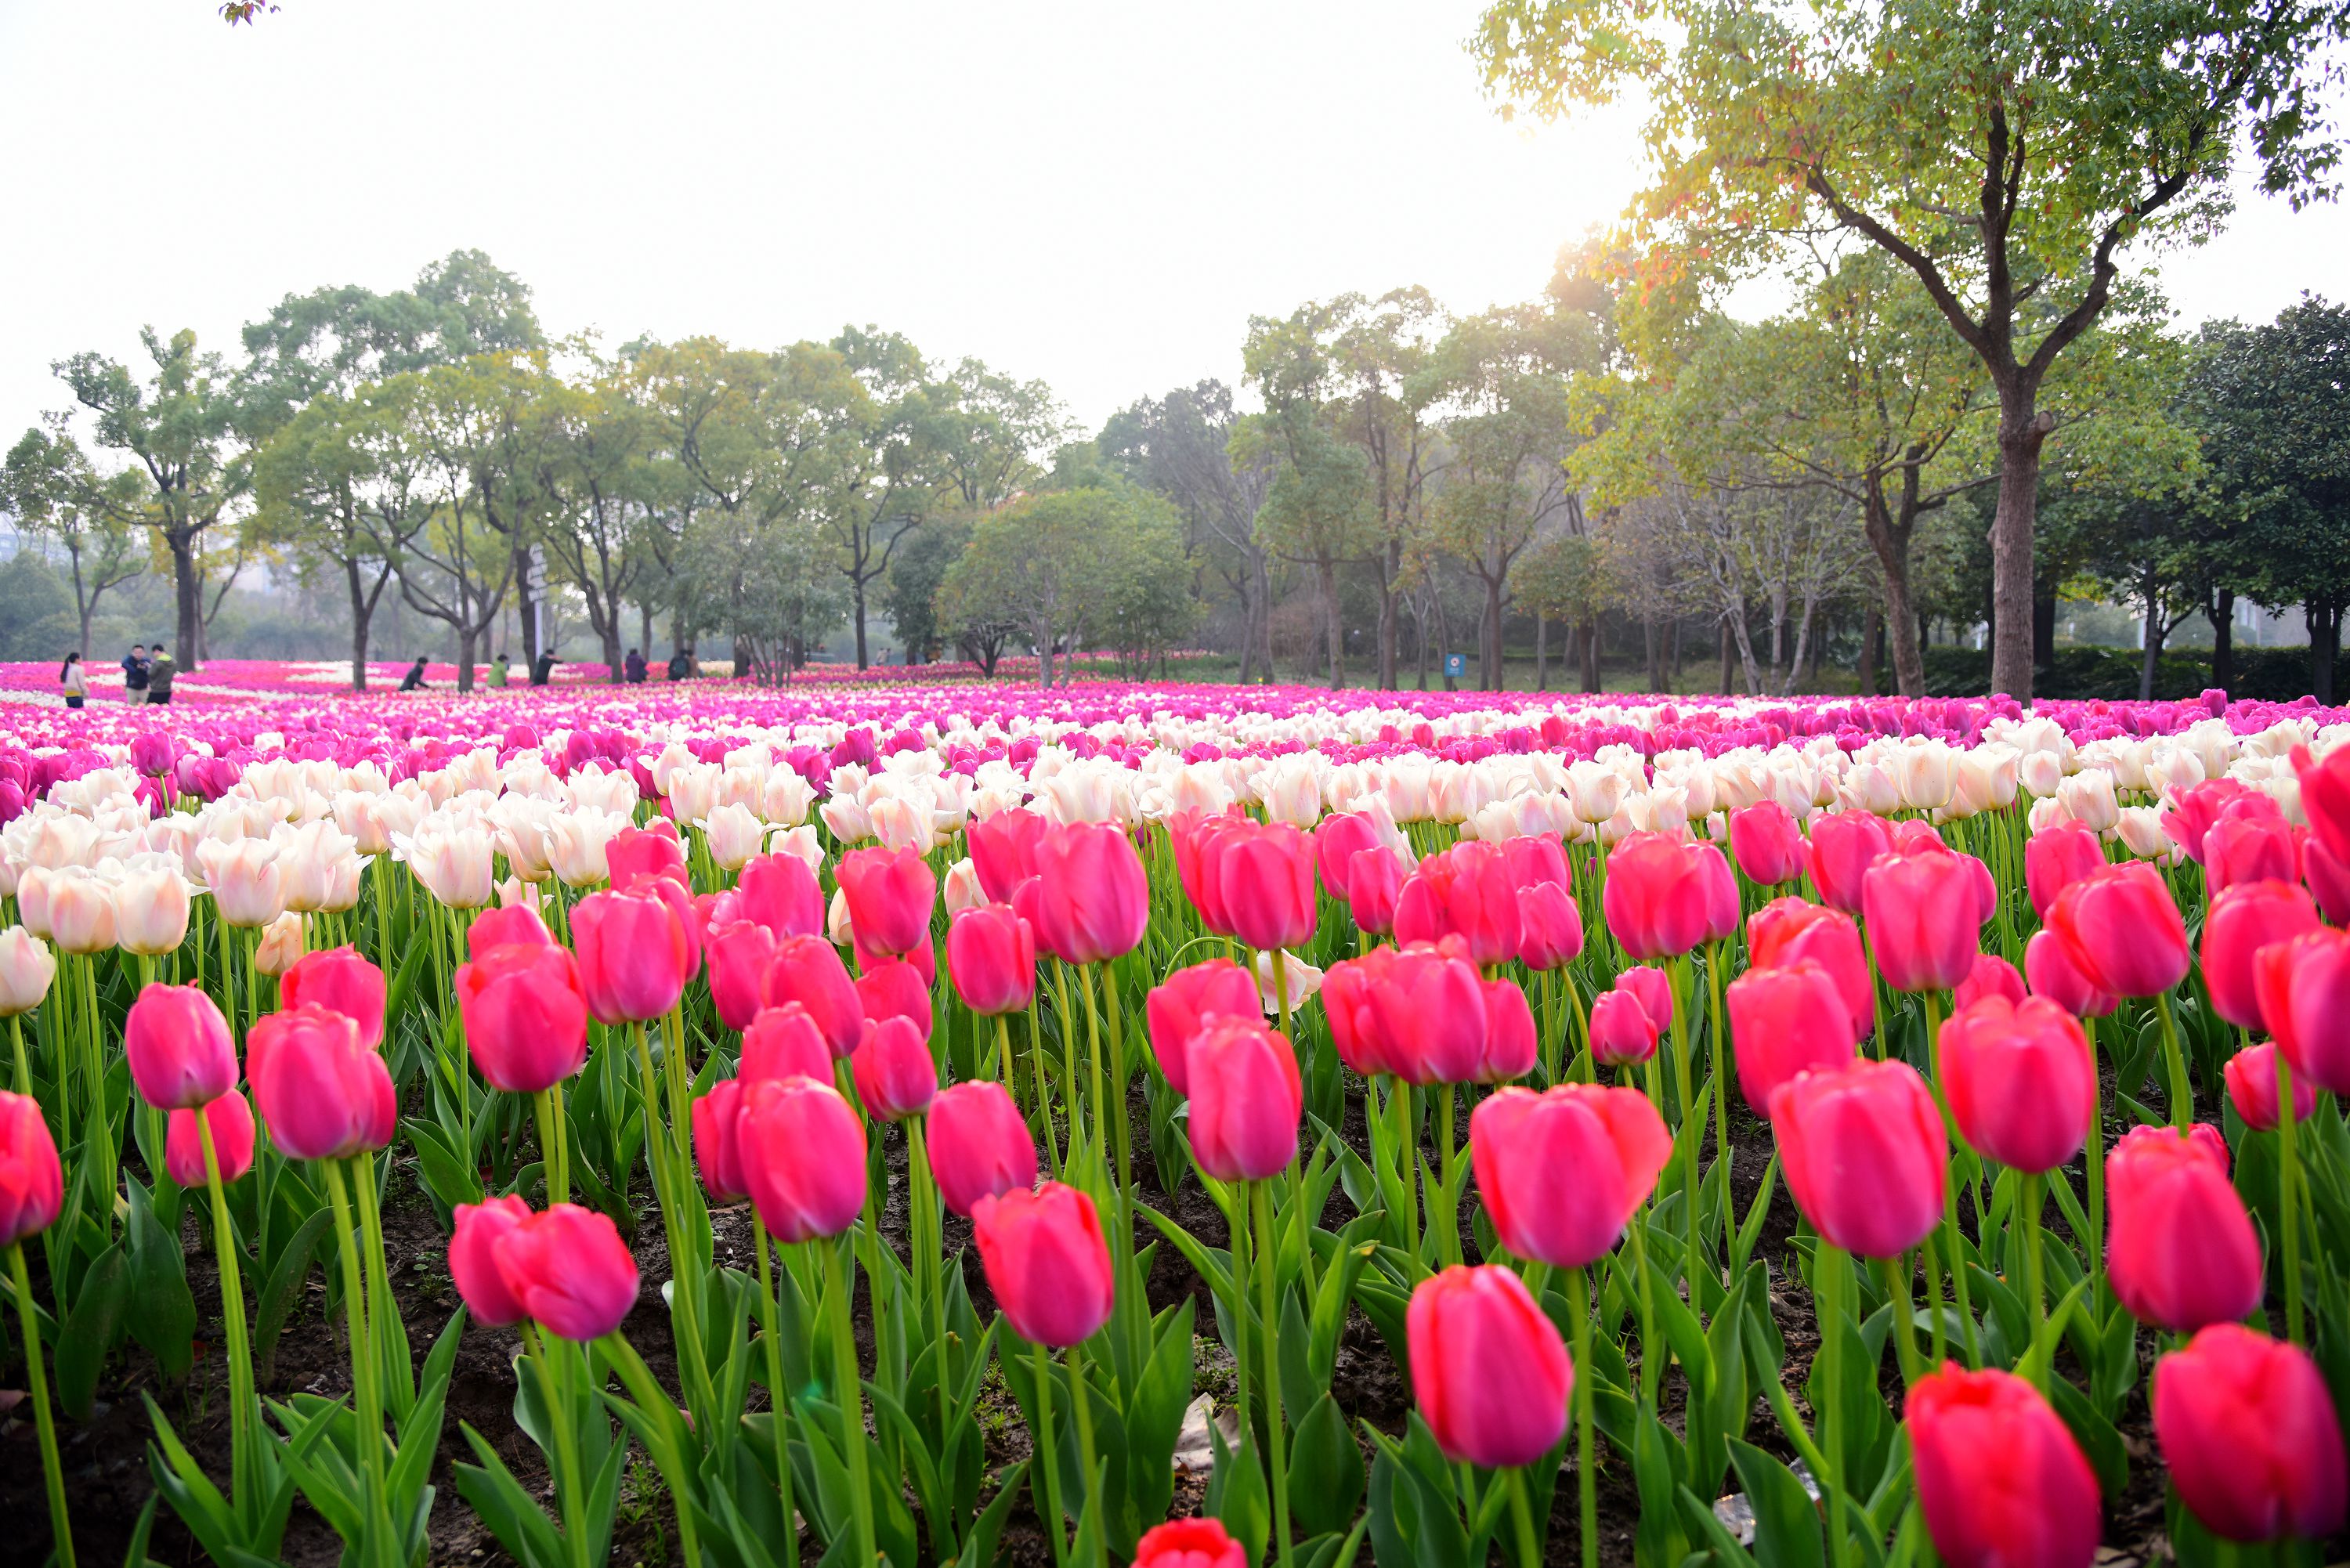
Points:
[[1492, 634], [1264, 617], [1333, 632], [525, 607], [466, 647], [857, 595], [188, 596], [361, 613], [1674, 665], [1724, 687], [2044, 633], [2223, 615], [1394, 563], [1591, 653], [1888, 538], [2022, 430], [1542, 652], [1872, 633], [645, 627], [1653, 644]]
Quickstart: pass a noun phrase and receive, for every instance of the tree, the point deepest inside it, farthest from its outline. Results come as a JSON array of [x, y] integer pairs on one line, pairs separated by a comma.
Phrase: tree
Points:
[[48, 483], [177, 428], [1062, 566], [1560, 578], [2005, 155], [1317, 509], [892, 471], [910, 596], [598, 478]]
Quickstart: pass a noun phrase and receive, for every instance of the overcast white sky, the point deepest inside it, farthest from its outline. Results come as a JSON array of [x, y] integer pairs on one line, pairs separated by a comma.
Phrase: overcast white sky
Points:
[[1097, 194]]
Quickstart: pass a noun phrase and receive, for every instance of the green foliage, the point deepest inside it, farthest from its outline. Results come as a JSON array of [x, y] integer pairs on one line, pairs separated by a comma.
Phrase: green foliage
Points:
[[911, 591], [37, 612]]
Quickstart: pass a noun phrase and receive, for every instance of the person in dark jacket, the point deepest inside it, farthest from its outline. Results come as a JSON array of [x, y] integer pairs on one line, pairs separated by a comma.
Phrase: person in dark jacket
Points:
[[414, 680], [632, 669], [134, 674], [542, 669], [680, 666], [159, 671]]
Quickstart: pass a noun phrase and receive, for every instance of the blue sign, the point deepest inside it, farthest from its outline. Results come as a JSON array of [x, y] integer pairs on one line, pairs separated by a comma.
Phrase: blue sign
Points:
[[1456, 664]]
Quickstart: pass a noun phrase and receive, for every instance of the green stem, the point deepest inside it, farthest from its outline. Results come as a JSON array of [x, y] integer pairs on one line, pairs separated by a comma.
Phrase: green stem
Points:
[[570, 1485], [1936, 1332], [1044, 1094], [1677, 974], [382, 1322], [1717, 959], [553, 1149], [1238, 1215], [24, 1067], [847, 1385], [1522, 1515], [1121, 1124], [2027, 1199], [2182, 1093], [1905, 1327], [1449, 1228], [244, 1466], [2288, 1145], [649, 1394], [1832, 1265], [1003, 1051], [922, 1203], [1268, 1292], [1407, 1154], [1586, 1483], [2095, 1169], [1099, 1096], [1084, 1402], [778, 1403], [368, 1405], [1048, 1459], [1652, 1364], [60, 1525]]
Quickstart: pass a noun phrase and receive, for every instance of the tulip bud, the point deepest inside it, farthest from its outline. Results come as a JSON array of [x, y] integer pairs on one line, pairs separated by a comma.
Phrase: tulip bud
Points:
[[715, 1147], [1844, 846], [889, 895], [232, 1127], [2249, 1431], [1247, 1100], [473, 1258], [1189, 1543], [808, 971], [785, 1043], [1923, 920], [979, 1145], [2055, 858], [803, 1157], [2241, 920], [739, 952], [340, 980], [1621, 1030], [1654, 987], [1488, 1368], [526, 1013], [1991, 976], [1662, 895], [2122, 931], [1768, 843], [894, 988], [1562, 1172], [81, 913], [1262, 873], [151, 906], [281, 947], [2259, 1098], [1341, 836], [1046, 1261], [1430, 1013], [2048, 969], [570, 1271], [2020, 1080], [641, 854], [2250, 847], [1785, 930], [1864, 1154], [178, 1046], [1550, 926], [895, 1076], [32, 1182], [991, 959], [1785, 1021], [26, 968], [505, 925], [2001, 1480], [634, 953], [1374, 884], [1466, 892], [1092, 896], [2302, 985], [323, 1094], [780, 892], [2180, 1249]]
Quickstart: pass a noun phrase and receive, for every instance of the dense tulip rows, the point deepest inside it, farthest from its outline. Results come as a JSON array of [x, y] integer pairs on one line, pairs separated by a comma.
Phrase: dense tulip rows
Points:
[[1873, 1115]]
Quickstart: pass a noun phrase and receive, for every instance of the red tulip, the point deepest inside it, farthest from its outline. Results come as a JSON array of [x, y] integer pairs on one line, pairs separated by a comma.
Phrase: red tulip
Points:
[[1662, 895], [1047, 1262], [1550, 926], [2249, 1433], [2193, 811], [2049, 970], [1179, 1008], [1788, 928], [473, 1258], [340, 979], [1189, 1543], [1864, 1153], [495, 928], [1991, 976], [1093, 900], [641, 854], [2179, 1248], [1189, 835], [1534, 859], [1511, 1043], [1843, 846], [2122, 931], [716, 1149], [2326, 797], [2020, 1080], [1621, 1031], [890, 893], [1003, 850], [780, 892], [1262, 873], [1374, 884], [232, 1126], [808, 971], [2246, 848], [635, 953], [1247, 1101], [1466, 892], [2057, 857], [2251, 1074], [1654, 987], [895, 1076], [32, 1182], [991, 959], [1562, 1172], [2328, 876], [1346, 990], [2001, 1480], [803, 1157], [785, 1043], [979, 1145], [1430, 1013], [525, 1011], [740, 951], [2304, 987], [178, 1046], [1924, 924], [568, 1270], [1768, 842], [1488, 1369], [324, 1094], [1338, 840], [1784, 1021], [895, 990], [2243, 918]]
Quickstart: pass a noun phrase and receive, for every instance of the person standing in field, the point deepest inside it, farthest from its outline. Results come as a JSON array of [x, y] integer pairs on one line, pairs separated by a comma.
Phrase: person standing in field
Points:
[[134, 674], [73, 679], [159, 671]]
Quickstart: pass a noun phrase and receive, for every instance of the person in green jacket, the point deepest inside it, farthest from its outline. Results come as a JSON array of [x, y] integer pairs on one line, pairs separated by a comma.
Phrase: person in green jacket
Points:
[[159, 671], [498, 668]]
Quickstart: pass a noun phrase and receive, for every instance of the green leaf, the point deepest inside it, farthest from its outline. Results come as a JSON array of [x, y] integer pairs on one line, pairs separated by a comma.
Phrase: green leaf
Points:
[[2098, 1439], [285, 1284], [1326, 1470], [1787, 1521], [1237, 1493], [163, 1315], [91, 1329]]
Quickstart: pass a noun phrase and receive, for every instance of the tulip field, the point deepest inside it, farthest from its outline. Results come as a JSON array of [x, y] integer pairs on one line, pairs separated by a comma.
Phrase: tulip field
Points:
[[1175, 1125]]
